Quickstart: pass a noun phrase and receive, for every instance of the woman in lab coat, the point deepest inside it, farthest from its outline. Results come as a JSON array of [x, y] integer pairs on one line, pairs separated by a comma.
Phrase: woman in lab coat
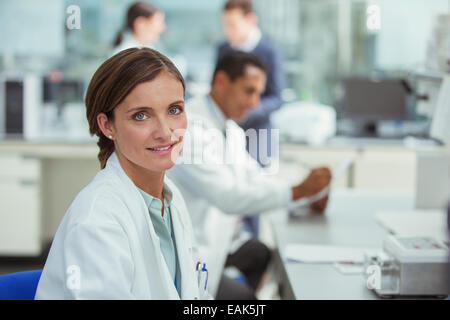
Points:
[[127, 235], [143, 27]]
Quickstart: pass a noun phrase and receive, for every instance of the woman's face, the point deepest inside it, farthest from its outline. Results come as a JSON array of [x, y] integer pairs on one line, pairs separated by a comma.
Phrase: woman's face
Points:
[[149, 125], [153, 27]]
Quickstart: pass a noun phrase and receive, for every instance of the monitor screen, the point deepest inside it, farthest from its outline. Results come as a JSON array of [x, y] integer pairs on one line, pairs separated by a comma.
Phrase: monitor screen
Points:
[[366, 99]]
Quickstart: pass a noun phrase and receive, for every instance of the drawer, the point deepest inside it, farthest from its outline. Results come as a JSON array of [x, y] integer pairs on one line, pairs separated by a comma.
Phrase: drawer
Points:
[[20, 219], [19, 166]]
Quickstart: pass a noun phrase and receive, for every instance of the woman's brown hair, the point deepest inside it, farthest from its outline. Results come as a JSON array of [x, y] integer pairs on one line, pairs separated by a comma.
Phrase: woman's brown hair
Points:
[[114, 80], [136, 10]]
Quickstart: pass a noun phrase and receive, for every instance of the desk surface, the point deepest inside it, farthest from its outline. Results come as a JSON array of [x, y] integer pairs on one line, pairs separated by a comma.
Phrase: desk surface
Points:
[[349, 221]]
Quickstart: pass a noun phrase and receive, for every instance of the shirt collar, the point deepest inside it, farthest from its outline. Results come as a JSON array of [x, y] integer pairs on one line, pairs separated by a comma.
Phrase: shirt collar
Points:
[[151, 201], [251, 42], [216, 112]]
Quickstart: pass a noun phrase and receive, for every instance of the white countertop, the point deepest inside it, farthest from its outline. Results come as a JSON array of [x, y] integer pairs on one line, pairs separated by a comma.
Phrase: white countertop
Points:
[[51, 149]]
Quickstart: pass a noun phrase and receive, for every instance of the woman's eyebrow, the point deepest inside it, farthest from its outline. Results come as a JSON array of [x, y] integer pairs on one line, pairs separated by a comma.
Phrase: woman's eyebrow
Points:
[[139, 109], [144, 108], [177, 102]]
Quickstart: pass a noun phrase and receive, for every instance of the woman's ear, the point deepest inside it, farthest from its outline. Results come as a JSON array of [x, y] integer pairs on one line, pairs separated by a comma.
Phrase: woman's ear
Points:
[[105, 125]]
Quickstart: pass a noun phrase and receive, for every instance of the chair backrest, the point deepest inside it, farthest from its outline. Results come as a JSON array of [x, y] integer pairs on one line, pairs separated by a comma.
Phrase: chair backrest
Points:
[[19, 285]]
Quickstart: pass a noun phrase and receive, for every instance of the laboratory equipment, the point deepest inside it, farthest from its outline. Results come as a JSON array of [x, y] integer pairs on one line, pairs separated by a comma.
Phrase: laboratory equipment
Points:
[[26, 99], [367, 102], [308, 122], [409, 266], [21, 98], [439, 125]]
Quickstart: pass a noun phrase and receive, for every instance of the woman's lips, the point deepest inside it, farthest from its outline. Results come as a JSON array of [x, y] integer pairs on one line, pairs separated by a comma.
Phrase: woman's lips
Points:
[[162, 150]]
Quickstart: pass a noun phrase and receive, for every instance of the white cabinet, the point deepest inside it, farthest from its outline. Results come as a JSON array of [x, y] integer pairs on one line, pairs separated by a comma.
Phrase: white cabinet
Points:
[[386, 169], [374, 167], [20, 205], [38, 182]]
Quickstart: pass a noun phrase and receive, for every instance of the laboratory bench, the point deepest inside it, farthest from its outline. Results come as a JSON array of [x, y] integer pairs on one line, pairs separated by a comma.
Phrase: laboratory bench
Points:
[[40, 179], [350, 222]]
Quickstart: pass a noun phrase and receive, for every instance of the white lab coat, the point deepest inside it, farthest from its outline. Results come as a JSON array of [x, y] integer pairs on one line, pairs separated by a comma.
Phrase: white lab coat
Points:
[[106, 246], [218, 194]]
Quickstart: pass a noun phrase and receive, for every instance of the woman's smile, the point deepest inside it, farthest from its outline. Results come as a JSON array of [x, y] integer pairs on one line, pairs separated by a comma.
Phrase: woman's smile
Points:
[[162, 149]]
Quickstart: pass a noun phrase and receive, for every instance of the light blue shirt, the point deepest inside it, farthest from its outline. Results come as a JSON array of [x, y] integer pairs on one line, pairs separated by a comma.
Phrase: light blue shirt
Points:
[[163, 228]]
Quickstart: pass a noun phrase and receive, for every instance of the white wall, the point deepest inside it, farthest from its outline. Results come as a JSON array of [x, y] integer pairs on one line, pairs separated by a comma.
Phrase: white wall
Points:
[[35, 27], [406, 27]]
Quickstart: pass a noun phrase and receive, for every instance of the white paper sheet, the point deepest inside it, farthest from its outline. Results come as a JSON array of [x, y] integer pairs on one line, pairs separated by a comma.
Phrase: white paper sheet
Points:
[[336, 174], [325, 254]]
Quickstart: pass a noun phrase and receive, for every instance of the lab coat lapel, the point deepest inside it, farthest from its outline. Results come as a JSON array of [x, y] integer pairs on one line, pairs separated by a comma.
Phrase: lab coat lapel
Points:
[[137, 204], [189, 286]]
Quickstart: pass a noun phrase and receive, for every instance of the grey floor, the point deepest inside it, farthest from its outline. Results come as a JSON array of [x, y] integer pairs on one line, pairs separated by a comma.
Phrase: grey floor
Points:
[[10, 264]]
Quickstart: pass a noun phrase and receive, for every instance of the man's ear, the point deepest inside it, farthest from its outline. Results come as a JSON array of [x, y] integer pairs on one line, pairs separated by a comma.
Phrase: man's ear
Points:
[[105, 125], [220, 79]]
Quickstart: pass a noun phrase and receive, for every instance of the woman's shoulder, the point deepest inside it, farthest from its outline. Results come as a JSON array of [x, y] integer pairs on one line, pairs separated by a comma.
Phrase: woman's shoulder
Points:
[[98, 201]]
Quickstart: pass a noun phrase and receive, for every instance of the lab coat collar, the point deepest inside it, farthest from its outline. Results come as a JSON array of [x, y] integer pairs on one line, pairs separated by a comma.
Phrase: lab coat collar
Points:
[[217, 114], [150, 200], [129, 40], [113, 161], [181, 235]]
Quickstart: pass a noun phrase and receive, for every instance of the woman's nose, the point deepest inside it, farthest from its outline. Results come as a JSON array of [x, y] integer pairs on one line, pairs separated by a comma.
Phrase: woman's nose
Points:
[[162, 131]]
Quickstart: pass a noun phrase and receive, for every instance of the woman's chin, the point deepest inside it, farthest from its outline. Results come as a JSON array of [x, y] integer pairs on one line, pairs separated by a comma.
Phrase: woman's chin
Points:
[[163, 164]]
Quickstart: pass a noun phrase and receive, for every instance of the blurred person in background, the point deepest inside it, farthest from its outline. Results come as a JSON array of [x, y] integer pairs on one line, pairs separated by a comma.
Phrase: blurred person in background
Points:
[[143, 27], [218, 193], [240, 24]]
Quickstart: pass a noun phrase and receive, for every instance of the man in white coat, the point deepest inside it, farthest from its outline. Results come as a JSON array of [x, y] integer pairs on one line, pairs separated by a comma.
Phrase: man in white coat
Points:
[[221, 182]]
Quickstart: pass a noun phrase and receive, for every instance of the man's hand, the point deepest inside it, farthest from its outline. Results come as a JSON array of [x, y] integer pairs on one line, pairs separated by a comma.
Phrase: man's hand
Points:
[[317, 180], [319, 206]]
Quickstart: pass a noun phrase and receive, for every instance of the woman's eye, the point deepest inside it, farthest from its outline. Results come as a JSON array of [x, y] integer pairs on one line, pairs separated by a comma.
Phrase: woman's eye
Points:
[[175, 110], [140, 116]]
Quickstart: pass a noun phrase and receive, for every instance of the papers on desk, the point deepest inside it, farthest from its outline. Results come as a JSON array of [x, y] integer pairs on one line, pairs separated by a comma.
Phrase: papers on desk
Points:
[[306, 253], [415, 223], [336, 174]]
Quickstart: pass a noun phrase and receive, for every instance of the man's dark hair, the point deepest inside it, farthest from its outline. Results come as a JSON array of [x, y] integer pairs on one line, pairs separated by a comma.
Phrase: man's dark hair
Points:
[[234, 62], [245, 5]]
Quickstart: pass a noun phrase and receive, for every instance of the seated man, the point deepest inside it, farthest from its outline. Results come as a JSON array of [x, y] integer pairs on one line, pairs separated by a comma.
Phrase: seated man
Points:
[[240, 26], [221, 182]]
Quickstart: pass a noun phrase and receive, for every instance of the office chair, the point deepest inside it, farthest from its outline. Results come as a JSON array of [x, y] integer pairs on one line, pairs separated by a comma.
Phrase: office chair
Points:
[[19, 285]]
